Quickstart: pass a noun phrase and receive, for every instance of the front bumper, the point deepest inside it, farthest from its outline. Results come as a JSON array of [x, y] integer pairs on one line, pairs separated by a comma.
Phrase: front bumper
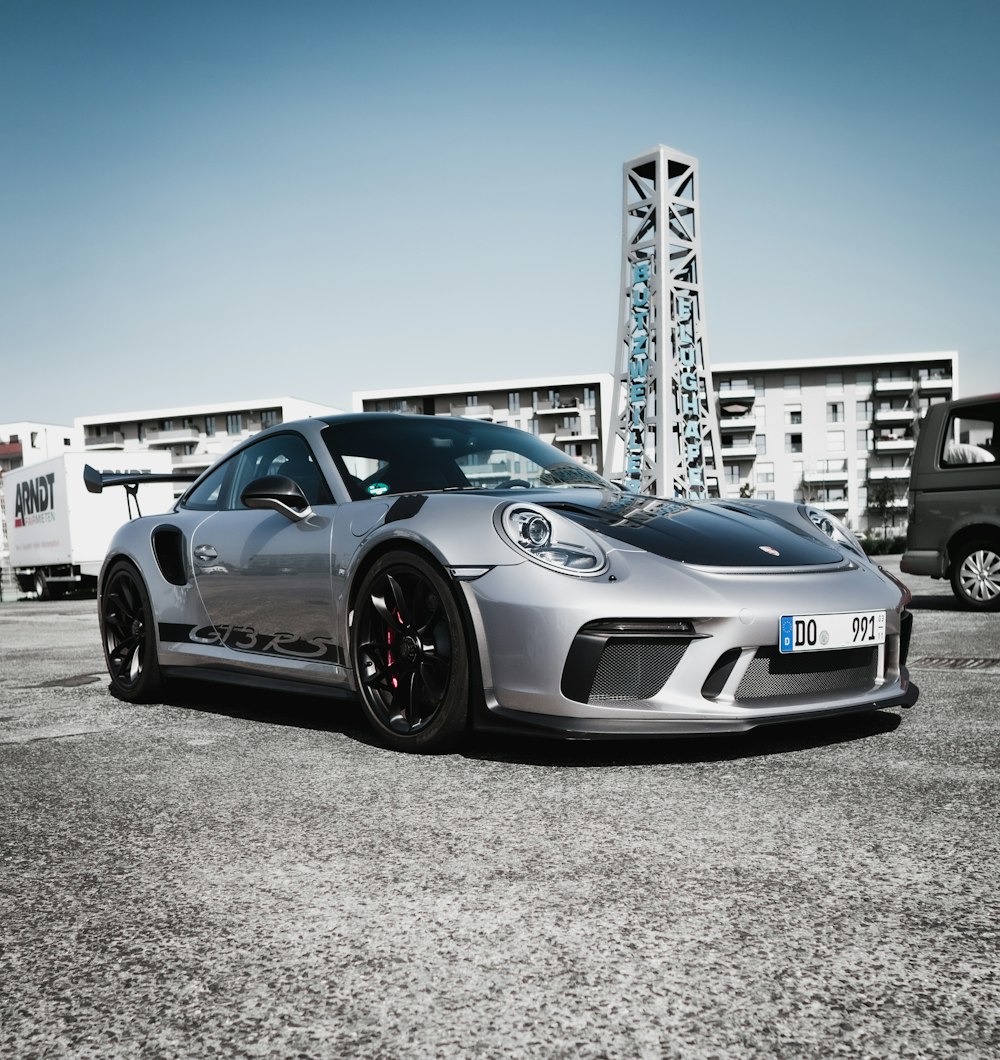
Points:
[[696, 653], [522, 723]]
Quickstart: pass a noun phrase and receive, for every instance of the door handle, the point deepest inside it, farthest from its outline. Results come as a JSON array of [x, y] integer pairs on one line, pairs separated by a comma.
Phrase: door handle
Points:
[[205, 553]]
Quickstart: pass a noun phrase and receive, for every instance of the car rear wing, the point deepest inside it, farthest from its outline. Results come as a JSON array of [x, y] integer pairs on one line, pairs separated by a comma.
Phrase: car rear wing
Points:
[[96, 481]]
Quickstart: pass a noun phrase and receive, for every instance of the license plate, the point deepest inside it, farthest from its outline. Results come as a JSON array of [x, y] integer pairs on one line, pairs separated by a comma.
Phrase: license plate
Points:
[[851, 629]]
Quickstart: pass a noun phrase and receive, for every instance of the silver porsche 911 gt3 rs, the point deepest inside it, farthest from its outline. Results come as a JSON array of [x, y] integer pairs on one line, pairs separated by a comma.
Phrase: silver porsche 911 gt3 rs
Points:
[[451, 573]]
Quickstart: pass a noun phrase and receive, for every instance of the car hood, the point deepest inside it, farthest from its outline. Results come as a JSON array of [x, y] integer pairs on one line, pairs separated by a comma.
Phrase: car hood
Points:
[[704, 534]]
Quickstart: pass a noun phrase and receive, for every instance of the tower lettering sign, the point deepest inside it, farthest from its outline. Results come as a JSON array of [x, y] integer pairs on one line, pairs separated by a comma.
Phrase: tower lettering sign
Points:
[[665, 436]]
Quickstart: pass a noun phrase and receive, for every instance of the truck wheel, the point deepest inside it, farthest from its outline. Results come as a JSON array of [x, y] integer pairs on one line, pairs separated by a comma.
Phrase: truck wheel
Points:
[[975, 576], [41, 587], [128, 630]]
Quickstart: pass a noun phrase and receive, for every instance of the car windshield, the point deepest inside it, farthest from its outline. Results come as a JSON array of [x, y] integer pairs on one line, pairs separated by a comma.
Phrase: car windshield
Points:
[[385, 455]]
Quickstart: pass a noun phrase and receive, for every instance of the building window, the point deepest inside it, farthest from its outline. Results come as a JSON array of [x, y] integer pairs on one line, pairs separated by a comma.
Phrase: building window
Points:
[[835, 382], [834, 441], [793, 384], [863, 410], [234, 423], [793, 443], [514, 402], [863, 443], [765, 472], [835, 412], [471, 400], [862, 465], [209, 425], [732, 474], [589, 397], [793, 414], [760, 414], [269, 417], [766, 495], [760, 441], [166, 425]]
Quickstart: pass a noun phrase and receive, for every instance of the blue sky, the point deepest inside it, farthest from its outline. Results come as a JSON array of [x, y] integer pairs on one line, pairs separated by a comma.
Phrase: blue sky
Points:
[[218, 200]]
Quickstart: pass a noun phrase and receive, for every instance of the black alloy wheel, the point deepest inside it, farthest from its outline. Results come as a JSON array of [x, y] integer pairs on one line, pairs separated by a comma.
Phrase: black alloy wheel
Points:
[[128, 631], [411, 659], [975, 576]]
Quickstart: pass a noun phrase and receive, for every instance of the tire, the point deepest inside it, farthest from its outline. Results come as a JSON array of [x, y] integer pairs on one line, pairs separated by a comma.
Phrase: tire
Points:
[[41, 586], [975, 576], [410, 655], [128, 631]]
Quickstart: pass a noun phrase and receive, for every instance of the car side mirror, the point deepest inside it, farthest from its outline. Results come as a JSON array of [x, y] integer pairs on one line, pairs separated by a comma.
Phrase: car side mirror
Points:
[[278, 493]]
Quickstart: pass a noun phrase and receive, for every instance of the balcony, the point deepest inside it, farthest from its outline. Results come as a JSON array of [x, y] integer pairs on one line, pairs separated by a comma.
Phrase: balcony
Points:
[[937, 385], [834, 506], [475, 412], [566, 405], [566, 434], [738, 423], [194, 461], [738, 452], [894, 415], [108, 440], [828, 471], [174, 437], [894, 445], [894, 386], [744, 395], [893, 473]]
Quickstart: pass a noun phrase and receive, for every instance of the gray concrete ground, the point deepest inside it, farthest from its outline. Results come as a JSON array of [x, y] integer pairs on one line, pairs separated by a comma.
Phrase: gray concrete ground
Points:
[[238, 875]]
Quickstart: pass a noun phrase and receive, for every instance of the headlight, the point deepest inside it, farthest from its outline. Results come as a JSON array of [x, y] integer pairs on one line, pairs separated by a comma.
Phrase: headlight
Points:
[[551, 540], [833, 528]]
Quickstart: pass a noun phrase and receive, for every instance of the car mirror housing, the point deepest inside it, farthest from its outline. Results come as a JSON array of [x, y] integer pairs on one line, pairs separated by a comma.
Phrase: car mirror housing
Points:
[[278, 493]]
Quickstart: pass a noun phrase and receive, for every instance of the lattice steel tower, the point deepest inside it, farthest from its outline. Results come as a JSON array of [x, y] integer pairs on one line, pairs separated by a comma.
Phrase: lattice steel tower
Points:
[[665, 435]]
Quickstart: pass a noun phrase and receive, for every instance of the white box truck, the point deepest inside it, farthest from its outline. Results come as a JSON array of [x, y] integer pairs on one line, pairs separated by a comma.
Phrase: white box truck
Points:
[[57, 531]]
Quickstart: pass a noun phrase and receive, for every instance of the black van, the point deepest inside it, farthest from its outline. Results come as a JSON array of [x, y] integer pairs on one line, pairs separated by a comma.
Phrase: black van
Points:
[[954, 501]]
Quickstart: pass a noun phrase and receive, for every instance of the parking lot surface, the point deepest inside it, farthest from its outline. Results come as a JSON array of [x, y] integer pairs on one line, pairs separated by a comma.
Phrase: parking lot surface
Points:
[[230, 874]]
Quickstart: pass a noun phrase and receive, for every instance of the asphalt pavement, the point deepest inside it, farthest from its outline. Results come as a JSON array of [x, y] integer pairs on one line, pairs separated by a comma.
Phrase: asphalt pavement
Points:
[[244, 875]]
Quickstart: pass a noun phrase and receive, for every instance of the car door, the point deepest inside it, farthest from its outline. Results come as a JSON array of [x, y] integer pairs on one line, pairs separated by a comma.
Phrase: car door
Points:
[[264, 578]]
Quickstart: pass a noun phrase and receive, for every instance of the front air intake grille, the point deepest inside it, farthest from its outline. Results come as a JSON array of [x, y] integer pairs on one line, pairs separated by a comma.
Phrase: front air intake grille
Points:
[[634, 669], [771, 673]]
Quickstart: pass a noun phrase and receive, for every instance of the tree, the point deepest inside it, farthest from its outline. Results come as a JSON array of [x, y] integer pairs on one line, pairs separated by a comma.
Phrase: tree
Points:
[[881, 494]]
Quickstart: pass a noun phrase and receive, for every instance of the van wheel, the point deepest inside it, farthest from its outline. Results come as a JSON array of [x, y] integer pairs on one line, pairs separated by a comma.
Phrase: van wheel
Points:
[[41, 586], [975, 576]]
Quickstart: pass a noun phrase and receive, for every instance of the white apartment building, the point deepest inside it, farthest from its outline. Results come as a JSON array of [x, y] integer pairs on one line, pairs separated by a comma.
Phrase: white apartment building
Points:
[[571, 412], [195, 435], [838, 433], [27, 442], [832, 432]]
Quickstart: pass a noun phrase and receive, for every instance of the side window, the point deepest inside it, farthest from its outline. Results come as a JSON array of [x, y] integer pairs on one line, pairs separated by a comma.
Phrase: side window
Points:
[[208, 494], [971, 436], [281, 454]]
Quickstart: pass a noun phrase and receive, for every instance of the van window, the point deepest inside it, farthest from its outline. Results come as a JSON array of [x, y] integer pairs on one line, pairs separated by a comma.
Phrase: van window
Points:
[[971, 436]]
